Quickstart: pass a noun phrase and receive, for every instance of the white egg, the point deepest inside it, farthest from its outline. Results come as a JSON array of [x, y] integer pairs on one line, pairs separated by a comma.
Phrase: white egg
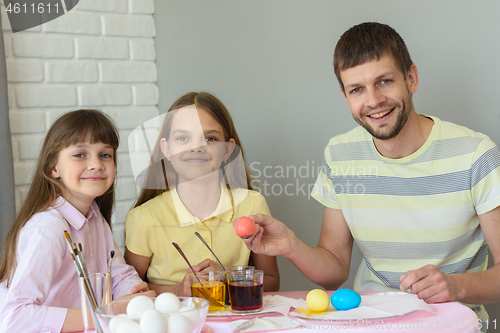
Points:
[[186, 308], [191, 314], [115, 321], [167, 302], [138, 305], [179, 324], [128, 326], [152, 321]]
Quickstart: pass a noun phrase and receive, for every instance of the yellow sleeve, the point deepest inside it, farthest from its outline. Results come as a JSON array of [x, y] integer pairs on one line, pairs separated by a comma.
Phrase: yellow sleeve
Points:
[[260, 204], [138, 232]]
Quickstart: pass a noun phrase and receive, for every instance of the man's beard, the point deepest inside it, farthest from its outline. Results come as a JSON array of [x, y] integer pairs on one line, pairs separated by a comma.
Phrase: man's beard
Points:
[[401, 120]]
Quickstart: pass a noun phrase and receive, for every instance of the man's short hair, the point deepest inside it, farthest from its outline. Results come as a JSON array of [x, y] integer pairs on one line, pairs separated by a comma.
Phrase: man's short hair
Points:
[[366, 42]]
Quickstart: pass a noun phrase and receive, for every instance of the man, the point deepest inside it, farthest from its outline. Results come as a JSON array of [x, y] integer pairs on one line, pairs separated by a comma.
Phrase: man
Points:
[[420, 196]]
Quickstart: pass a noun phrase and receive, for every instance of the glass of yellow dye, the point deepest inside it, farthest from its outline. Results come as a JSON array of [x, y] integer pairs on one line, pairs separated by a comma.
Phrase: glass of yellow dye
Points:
[[211, 287]]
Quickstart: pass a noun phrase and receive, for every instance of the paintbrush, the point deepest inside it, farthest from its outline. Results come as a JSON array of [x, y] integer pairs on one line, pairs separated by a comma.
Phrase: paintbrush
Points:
[[79, 253], [80, 248], [208, 247], [106, 297], [69, 241], [82, 272]]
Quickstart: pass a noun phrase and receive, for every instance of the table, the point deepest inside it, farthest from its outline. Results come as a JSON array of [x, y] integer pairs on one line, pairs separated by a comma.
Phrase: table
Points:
[[450, 317]]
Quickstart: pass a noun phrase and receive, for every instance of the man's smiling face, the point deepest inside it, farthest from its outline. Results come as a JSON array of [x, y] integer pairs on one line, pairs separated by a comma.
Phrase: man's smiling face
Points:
[[379, 96]]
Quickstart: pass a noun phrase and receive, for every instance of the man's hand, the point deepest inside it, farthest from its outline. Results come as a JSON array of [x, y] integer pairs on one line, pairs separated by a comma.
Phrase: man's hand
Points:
[[271, 237], [431, 285]]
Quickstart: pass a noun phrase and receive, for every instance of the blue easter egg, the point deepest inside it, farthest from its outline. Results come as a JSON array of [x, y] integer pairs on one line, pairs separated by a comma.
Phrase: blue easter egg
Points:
[[345, 299]]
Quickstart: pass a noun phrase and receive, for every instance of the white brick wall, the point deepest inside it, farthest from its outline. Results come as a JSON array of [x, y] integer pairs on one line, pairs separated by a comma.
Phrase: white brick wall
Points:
[[129, 72], [43, 46], [142, 50], [146, 94], [129, 25], [44, 95], [72, 71], [104, 48], [111, 6], [24, 71], [142, 6], [75, 23], [99, 94], [99, 55]]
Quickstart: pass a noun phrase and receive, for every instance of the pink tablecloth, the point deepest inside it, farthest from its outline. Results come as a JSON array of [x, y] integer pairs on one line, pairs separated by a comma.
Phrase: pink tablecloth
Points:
[[449, 317]]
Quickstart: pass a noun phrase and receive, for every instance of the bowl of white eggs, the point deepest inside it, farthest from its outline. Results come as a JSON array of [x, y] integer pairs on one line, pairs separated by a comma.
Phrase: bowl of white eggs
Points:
[[165, 313]]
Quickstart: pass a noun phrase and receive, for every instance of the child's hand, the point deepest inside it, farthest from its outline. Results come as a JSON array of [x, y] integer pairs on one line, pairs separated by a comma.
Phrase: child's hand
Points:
[[184, 288], [139, 288], [206, 266], [149, 293]]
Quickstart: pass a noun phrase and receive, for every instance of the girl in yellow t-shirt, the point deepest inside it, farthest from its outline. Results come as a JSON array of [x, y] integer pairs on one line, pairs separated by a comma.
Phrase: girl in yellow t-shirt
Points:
[[197, 182]]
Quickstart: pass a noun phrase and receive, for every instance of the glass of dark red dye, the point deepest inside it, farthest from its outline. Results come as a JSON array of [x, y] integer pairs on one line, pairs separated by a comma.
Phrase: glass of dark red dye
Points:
[[233, 268], [246, 290]]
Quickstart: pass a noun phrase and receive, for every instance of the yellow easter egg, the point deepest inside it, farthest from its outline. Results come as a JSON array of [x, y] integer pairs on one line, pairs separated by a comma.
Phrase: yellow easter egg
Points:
[[318, 300]]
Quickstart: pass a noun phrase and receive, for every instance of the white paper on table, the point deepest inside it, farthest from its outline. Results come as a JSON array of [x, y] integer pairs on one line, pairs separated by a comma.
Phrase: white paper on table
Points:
[[397, 303], [280, 323], [381, 305], [272, 303]]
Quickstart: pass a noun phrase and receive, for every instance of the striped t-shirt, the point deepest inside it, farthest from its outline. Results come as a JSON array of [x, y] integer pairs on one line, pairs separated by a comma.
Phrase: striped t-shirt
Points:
[[417, 210]]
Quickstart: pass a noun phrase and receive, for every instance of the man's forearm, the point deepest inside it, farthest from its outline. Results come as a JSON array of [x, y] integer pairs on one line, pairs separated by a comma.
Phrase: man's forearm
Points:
[[480, 287], [317, 264]]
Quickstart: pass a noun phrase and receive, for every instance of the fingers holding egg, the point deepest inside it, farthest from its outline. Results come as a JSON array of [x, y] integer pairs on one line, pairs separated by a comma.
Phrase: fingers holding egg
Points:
[[245, 227]]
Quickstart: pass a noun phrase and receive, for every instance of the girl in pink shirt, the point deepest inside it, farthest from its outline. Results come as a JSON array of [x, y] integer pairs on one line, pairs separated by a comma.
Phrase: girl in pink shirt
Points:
[[72, 189]]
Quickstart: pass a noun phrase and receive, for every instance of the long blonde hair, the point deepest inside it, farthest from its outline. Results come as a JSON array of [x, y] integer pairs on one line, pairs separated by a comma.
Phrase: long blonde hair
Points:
[[71, 128], [156, 173]]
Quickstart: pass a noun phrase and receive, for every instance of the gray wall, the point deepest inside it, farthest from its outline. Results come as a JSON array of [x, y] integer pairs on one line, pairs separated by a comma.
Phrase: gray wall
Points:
[[7, 195], [270, 62]]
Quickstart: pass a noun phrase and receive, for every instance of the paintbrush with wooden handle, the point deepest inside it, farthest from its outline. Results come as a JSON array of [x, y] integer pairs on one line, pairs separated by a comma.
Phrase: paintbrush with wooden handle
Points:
[[106, 296]]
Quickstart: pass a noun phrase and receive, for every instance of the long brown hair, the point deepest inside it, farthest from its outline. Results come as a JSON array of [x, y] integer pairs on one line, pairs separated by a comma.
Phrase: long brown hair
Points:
[[155, 177], [71, 128]]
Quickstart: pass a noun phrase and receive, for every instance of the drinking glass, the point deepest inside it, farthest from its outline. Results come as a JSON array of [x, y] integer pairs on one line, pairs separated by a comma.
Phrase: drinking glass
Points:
[[246, 290], [97, 282], [211, 287], [234, 268]]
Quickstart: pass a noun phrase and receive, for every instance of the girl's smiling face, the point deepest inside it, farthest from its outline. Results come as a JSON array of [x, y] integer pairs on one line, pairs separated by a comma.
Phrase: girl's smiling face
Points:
[[196, 145], [86, 171]]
